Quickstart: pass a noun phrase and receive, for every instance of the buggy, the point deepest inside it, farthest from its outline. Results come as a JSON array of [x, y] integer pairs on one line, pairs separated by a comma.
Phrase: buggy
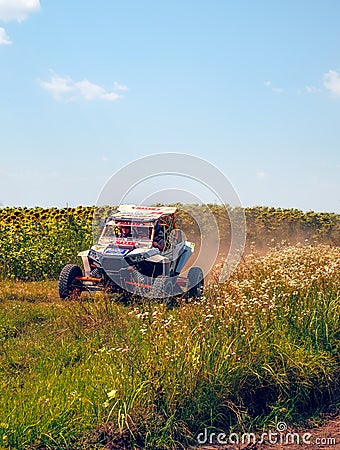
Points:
[[140, 251]]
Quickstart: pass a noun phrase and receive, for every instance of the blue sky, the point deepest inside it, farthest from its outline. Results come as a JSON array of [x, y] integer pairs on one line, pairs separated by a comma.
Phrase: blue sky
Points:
[[251, 86]]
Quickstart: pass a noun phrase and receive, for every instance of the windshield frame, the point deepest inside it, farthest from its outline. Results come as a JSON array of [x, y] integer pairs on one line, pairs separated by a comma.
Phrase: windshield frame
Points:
[[115, 236]]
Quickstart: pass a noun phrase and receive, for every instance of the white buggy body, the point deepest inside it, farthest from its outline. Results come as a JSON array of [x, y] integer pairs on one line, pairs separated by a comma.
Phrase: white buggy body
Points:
[[139, 251]]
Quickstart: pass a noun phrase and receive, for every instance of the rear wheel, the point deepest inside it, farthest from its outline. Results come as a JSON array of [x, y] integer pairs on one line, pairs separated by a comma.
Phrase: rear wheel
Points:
[[68, 286], [195, 283]]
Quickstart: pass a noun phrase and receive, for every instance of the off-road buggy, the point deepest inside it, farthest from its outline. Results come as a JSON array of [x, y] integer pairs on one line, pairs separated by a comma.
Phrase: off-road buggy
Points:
[[139, 251]]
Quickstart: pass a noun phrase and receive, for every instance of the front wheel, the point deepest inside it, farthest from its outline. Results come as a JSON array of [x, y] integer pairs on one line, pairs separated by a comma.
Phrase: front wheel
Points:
[[195, 283], [163, 289], [68, 286]]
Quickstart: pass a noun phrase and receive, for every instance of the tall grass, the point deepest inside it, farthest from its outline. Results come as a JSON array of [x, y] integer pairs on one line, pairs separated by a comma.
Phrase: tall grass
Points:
[[262, 347]]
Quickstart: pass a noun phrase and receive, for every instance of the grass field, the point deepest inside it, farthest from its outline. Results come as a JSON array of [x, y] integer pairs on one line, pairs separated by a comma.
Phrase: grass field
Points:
[[84, 374]]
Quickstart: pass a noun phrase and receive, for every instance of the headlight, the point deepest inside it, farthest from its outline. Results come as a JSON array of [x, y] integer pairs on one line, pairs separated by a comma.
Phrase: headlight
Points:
[[135, 258], [93, 255]]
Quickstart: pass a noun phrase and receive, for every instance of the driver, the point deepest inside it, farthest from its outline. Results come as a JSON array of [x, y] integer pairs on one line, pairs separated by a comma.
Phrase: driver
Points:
[[158, 238], [124, 231], [140, 232]]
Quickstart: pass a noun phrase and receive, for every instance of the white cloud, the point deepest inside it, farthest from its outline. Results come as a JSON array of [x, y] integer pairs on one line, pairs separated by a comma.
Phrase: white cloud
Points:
[[312, 90], [5, 173], [120, 87], [331, 81], [4, 38], [64, 88], [273, 89], [17, 9], [261, 174]]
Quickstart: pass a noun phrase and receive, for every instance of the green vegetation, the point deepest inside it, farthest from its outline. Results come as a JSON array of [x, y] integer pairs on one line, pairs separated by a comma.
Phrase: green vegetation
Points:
[[262, 347], [36, 243]]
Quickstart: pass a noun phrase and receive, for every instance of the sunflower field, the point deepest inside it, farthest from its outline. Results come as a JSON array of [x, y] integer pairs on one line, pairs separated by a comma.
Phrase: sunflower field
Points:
[[35, 243]]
